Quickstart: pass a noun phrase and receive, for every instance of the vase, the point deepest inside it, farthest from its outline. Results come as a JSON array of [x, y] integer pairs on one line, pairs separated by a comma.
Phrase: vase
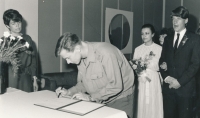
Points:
[[3, 77]]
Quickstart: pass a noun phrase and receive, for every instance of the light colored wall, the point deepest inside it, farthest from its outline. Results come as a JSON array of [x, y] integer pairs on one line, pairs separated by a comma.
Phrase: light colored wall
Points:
[[2, 8]]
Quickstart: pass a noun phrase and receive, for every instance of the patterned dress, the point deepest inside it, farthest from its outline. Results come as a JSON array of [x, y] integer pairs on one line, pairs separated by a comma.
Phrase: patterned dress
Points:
[[150, 102]]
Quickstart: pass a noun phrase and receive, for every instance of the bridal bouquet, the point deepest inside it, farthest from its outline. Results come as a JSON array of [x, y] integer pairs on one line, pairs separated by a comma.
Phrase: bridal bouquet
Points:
[[9, 46], [140, 65]]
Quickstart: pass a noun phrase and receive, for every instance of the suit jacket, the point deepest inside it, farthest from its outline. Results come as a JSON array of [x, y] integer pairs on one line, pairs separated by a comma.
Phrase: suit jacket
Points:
[[182, 65]]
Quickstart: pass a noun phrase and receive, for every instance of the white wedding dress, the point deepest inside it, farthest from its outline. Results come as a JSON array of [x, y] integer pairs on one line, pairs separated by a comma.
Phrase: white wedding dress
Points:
[[150, 102]]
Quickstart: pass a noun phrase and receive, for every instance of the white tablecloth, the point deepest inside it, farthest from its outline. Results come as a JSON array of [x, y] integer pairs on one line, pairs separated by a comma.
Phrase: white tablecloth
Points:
[[19, 104]]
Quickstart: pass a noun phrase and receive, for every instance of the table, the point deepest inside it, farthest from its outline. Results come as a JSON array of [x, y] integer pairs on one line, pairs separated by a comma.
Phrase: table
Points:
[[19, 104]]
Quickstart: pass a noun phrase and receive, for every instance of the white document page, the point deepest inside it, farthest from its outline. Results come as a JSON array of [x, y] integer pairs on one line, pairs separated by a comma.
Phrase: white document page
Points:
[[56, 103], [82, 107]]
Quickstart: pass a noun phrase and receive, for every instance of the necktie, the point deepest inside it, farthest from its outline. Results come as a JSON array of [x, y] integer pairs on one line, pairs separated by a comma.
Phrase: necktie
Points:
[[176, 43]]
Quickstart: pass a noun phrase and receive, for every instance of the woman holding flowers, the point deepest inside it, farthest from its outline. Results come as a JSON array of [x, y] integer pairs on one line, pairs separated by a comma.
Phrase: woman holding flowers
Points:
[[145, 64], [26, 78]]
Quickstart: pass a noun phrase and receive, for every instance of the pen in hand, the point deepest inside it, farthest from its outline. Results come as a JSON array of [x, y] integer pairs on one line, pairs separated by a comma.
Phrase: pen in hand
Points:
[[60, 92]]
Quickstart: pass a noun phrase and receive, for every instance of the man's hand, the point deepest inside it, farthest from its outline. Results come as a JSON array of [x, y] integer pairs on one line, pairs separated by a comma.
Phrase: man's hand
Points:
[[169, 79], [63, 92], [164, 66], [82, 96], [35, 84], [175, 84]]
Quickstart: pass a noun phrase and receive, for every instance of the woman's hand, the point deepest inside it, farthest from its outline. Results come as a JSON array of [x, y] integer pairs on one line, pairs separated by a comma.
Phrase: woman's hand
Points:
[[164, 66], [142, 79], [35, 84], [82, 96], [63, 92], [134, 66]]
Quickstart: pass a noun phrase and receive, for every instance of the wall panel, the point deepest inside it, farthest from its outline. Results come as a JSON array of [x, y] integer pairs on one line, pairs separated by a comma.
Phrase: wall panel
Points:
[[49, 32], [92, 21], [71, 22], [193, 7], [157, 17], [148, 11], [125, 5], [137, 22], [72, 16], [170, 5]]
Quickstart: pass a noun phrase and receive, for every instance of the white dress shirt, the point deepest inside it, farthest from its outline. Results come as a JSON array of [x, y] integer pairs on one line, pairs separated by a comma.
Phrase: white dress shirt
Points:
[[182, 33]]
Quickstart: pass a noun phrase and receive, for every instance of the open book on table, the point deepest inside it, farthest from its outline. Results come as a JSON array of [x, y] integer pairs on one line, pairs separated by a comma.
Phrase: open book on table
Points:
[[78, 107]]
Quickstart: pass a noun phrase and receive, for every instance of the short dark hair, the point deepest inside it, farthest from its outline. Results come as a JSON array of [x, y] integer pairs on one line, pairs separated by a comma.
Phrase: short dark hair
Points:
[[164, 31], [11, 14], [180, 12], [150, 27], [67, 41]]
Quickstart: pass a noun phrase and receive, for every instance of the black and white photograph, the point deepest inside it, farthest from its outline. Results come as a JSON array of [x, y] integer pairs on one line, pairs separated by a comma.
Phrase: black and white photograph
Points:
[[100, 59]]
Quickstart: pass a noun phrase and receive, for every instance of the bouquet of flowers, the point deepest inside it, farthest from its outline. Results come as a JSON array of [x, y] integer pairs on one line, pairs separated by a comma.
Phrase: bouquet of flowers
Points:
[[9, 46], [140, 65]]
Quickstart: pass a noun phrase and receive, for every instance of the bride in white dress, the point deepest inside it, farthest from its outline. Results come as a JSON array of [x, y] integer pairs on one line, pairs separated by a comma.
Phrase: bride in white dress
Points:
[[150, 102]]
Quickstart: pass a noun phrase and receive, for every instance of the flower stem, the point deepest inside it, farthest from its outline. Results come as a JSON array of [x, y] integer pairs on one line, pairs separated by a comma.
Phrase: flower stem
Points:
[[2, 47], [15, 50], [16, 43]]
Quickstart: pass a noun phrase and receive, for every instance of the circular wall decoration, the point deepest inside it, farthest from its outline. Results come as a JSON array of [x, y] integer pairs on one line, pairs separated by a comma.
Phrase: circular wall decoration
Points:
[[119, 29]]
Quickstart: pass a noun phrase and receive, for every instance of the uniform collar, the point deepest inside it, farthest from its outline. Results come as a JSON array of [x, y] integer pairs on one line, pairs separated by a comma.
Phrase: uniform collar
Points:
[[91, 53]]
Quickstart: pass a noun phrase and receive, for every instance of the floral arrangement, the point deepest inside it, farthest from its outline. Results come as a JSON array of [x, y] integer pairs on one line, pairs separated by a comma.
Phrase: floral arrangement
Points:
[[9, 46], [140, 65]]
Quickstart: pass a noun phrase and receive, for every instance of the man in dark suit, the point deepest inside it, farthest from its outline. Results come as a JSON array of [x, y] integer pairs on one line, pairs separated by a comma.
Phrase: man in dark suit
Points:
[[181, 55]]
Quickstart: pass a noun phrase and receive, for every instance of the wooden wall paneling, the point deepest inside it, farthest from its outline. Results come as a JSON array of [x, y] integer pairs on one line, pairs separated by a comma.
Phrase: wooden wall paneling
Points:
[[137, 22], [157, 18], [170, 5], [49, 32], [92, 20], [72, 16], [193, 7], [71, 22], [148, 11], [125, 5]]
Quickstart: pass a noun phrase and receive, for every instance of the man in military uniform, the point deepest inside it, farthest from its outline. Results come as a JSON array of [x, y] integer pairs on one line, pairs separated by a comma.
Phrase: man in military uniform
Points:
[[104, 74]]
